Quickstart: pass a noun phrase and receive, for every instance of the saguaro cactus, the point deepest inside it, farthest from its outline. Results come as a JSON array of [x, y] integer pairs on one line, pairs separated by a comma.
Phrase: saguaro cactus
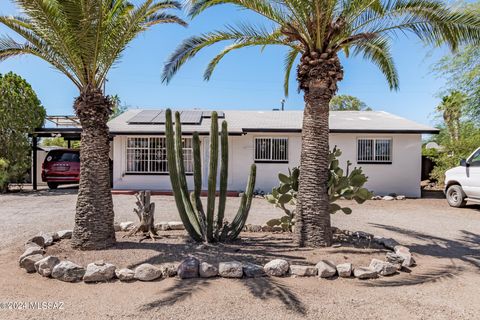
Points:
[[201, 224]]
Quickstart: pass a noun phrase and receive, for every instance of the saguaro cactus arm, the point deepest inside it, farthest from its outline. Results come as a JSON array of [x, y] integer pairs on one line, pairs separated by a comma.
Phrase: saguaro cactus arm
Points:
[[212, 175], [239, 221], [188, 217], [197, 178], [223, 178]]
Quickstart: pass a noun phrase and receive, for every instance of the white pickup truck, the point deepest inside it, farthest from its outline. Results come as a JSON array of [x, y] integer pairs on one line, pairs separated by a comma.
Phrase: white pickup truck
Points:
[[462, 183]]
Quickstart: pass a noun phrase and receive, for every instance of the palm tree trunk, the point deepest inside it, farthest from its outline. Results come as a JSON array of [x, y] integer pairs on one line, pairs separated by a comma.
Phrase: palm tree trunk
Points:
[[94, 217], [318, 79]]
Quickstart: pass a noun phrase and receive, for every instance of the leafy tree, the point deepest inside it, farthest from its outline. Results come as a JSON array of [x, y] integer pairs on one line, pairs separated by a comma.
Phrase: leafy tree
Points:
[[453, 151], [318, 31], [59, 142], [462, 71], [451, 109], [83, 39], [117, 108], [20, 114], [348, 103]]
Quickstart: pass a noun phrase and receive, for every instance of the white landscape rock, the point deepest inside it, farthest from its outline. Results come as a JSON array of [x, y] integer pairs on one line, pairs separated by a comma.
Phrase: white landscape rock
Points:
[[405, 253], [127, 225], [68, 271], [303, 271], [388, 198], [147, 272], [39, 240], [277, 268], [395, 259], [45, 266], [326, 269], [162, 226], [169, 270], [47, 238], [401, 197], [65, 234], [176, 225], [125, 274], [252, 270], [28, 263], [99, 272], [31, 251], [364, 273], [207, 270], [383, 268], [188, 268], [231, 269], [344, 270]]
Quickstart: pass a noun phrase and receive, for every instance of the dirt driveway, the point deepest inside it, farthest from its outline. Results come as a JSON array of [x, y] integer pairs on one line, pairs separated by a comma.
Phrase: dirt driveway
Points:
[[445, 284]]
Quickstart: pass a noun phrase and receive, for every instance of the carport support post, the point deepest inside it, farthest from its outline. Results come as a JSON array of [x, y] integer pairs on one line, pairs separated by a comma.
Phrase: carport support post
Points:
[[34, 160], [69, 145]]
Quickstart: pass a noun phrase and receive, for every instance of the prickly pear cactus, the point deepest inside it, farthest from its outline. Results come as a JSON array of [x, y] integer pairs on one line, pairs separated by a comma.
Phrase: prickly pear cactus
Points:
[[347, 185]]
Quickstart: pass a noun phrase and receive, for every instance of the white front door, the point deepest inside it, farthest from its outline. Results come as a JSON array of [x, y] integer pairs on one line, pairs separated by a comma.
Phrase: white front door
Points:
[[472, 186]]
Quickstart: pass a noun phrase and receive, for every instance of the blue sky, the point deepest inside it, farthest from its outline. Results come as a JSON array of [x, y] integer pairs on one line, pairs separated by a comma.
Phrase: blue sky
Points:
[[246, 79]]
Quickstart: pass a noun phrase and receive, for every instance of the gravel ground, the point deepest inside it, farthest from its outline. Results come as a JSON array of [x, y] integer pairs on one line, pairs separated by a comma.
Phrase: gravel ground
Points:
[[444, 285]]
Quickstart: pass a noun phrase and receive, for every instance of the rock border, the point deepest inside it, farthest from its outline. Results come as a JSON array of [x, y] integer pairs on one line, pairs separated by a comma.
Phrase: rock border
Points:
[[34, 259]]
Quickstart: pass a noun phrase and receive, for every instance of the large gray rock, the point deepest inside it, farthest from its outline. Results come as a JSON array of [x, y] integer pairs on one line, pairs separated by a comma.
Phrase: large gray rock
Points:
[[65, 234], [127, 225], [28, 263], [388, 243], [383, 268], [116, 227], [344, 270], [326, 269], [169, 270], [125, 274], [39, 240], [188, 268], [251, 270], [303, 271], [45, 266], [277, 268], [395, 259], [31, 251], [207, 270], [68, 271], [232, 269], [99, 272], [147, 272], [48, 238], [364, 273]]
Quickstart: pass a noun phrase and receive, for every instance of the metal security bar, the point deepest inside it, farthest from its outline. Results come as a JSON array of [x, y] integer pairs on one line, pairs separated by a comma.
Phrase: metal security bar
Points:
[[149, 155], [271, 149], [374, 150]]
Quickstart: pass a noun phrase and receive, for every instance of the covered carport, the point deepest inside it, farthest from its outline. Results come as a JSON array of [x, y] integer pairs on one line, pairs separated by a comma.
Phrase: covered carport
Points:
[[67, 127]]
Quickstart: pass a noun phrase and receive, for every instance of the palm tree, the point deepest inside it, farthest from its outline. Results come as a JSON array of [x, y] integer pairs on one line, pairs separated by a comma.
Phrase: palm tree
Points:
[[318, 30], [451, 108], [83, 39]]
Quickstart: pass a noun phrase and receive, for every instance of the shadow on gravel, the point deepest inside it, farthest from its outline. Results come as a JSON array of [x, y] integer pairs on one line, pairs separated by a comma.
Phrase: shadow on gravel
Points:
[[428, 276], [466, 248], [261, 288]]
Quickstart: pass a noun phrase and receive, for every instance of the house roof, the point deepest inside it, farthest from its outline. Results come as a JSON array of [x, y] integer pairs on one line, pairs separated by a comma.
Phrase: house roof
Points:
[[141, 122]]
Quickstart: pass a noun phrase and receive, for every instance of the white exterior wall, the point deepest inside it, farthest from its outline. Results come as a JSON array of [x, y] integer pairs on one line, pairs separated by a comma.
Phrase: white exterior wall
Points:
[[401, 177]]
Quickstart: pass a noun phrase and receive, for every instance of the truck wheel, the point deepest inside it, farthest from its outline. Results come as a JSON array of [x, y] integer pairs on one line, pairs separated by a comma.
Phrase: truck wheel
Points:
[[52, 185], [456, 197]]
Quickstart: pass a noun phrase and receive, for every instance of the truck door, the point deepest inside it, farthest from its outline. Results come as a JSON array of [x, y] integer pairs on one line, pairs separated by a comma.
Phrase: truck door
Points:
[[472, 185]]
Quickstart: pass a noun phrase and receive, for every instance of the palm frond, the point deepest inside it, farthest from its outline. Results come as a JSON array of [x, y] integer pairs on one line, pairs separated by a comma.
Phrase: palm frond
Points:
[[289, 62]]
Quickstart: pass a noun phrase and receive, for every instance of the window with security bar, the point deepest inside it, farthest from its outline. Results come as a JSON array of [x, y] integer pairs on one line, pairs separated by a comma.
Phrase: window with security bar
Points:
[[271, 150], [374, 150], [149, 155]]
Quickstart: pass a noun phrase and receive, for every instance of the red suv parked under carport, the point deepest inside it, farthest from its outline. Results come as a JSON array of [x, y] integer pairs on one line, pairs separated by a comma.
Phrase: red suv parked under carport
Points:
[[61, 166]]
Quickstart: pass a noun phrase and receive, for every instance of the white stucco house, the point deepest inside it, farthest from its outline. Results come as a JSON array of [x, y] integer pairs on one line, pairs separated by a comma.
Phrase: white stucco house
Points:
[[386, 146]]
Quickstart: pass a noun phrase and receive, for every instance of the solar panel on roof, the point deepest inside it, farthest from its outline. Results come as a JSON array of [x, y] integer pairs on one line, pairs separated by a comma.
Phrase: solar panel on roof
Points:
[[190, 117], [144, 117]]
